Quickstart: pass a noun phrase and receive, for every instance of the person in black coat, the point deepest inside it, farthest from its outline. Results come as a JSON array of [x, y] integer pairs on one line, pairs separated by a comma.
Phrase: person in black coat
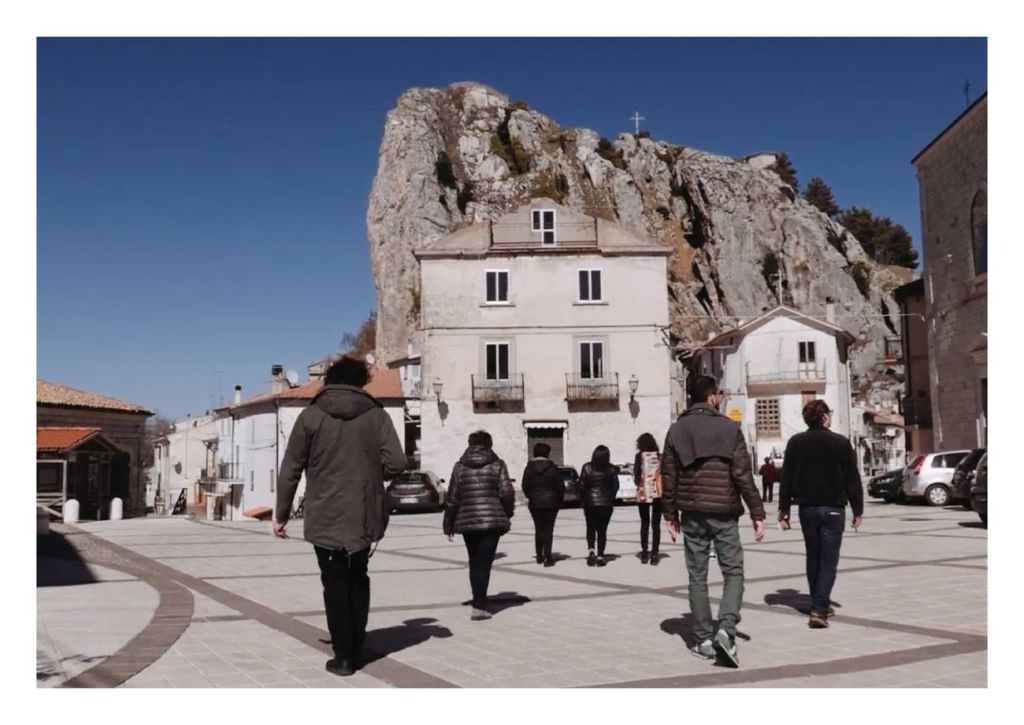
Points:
[[478, 504], [544, 488], [599, 483]]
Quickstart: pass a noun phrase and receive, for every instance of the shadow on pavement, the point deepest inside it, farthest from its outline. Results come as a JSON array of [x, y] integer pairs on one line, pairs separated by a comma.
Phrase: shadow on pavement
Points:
[[793, 599], [683, 627], [383, 642], [500, 602], [972, 524], [58, 563]]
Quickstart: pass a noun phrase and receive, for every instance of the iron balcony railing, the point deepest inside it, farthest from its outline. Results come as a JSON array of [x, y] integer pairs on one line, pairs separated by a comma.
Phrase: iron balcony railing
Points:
[[208, 475], [229, 471], [578, 387], [893, 348], [498, 391], [786, 372]]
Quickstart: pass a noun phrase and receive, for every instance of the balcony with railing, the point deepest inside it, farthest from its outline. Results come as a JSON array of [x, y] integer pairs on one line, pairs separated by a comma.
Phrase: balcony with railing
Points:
[[785, 376], [229, 471], [588, 393], [502, 395], [893, 350]]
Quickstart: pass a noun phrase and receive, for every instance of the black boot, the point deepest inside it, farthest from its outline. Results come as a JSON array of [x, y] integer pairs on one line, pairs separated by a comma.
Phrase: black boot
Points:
[[591, 559], [643, 556], [654, 559], [340, 667]]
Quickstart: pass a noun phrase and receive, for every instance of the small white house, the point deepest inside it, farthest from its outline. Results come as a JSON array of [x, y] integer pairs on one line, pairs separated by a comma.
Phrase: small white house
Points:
[[253, 435], [182, 460], [770, 367], [544, 325]]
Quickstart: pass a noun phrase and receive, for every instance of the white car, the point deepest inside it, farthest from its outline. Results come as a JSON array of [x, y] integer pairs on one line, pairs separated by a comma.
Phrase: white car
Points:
[[627, 486]]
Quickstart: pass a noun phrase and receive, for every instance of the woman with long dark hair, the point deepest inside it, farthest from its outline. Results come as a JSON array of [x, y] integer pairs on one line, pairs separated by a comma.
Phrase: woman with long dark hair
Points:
[[599, 482], [647, 475]]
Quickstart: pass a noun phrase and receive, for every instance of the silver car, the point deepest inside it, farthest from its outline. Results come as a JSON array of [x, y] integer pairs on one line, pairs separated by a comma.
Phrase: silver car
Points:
[[929, 476]]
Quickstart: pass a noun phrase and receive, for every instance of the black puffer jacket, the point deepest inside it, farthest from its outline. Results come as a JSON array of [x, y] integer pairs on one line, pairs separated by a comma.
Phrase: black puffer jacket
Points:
[[480, 495], [598, 488], [543, 484], [719, 474]]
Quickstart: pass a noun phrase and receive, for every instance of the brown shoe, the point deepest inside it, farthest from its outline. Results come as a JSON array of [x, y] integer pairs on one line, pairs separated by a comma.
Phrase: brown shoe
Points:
[[817, 621], [831, 612]]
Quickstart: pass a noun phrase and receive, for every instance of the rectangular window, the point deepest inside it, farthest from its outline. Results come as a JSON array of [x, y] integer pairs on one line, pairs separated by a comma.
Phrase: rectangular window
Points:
[[590, 285], [497, 361], [767, 414], [592, 360], [272, 472], [497, 285], [252, 480], [544, 222], [807, 352]]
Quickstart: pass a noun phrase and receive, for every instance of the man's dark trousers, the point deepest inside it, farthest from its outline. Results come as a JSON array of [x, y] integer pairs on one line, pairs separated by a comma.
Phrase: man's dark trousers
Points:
[[544, 530], [822, 527], [346, 599]]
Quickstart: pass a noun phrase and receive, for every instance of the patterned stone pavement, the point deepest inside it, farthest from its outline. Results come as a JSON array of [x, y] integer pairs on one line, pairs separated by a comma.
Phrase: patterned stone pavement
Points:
[[175, 603]]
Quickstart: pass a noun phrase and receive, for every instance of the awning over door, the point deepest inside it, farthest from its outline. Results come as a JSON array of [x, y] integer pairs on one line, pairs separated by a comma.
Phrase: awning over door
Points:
[[538, 424]]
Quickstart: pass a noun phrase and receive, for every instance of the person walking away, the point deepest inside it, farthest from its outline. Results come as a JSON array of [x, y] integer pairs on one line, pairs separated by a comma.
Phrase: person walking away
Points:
[[706, 470], [348, 447], [544, 488], [769, 477], [647, 475], [599, 484], [479, 504], [819, 474]]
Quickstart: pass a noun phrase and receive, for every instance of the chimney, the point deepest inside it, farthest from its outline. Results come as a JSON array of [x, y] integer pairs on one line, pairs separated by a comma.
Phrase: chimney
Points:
[[278, 382], [830, 311], [238, 394]]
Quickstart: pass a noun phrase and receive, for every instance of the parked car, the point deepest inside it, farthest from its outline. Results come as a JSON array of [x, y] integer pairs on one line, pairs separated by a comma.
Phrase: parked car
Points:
[[572, 486], [416, 491], [888, 486], [979, 490], [930, 476], [627, 486], [960, 486]]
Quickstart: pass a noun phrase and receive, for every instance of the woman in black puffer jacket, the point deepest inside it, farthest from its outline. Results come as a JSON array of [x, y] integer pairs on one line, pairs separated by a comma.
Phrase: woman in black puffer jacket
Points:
[[599, 483], [544, 488], [479, 503]]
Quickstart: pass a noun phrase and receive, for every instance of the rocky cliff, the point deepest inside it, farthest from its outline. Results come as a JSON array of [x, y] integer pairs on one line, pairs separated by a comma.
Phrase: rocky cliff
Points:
[[464, 154]]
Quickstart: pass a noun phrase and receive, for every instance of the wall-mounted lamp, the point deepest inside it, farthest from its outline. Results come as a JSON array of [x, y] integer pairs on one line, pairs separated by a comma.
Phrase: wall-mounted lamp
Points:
[[633, 385], [438, 385]]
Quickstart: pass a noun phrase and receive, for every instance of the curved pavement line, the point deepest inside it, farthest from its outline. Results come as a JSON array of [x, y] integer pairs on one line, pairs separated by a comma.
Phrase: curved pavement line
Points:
[[170, 620]]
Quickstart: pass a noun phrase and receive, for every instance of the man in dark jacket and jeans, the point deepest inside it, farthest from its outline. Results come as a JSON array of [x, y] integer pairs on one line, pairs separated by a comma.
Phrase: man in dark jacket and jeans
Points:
[[544, 488], [705, 470], [348, 447], [820, 473]]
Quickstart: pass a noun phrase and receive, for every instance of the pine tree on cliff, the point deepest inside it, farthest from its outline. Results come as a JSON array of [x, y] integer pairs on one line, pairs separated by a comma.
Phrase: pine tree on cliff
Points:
[[783, 166], [882, 239], [818, 193]]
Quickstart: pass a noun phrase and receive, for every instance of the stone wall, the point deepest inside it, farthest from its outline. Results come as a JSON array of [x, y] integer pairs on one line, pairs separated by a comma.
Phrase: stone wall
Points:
[[951, 172]]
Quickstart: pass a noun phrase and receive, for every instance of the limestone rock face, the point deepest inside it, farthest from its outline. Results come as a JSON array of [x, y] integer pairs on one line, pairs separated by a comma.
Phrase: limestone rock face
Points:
[[464, 154]]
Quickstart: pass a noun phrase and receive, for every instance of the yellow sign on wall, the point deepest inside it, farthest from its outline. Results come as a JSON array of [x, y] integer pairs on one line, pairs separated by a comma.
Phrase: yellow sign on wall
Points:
[[736, 414]]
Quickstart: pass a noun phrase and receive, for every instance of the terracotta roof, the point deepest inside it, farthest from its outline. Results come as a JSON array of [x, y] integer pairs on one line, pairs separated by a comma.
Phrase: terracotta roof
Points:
[[385, 383], [48, 393], [62, 439]]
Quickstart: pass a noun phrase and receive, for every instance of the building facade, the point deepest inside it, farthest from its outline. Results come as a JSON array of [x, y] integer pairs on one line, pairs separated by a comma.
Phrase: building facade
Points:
[[182, 460], [121, 423], [952, 173], [770, 367], [544, 325]]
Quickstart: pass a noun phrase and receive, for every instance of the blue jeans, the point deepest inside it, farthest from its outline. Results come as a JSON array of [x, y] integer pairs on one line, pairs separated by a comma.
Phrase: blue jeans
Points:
[[822, 527]]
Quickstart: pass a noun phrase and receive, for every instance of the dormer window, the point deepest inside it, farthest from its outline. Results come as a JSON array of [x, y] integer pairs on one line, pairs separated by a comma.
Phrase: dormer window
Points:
[[544, 222]]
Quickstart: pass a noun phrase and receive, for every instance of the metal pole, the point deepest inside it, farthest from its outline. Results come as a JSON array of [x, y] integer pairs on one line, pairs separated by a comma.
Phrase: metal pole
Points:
[[64, 483]]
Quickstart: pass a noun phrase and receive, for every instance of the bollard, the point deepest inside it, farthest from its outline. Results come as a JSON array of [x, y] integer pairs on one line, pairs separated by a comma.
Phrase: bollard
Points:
[[116, 509], [71, 511]]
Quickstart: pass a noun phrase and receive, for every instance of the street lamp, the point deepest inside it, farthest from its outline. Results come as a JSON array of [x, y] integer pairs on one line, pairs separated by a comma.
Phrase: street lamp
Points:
[[633, 385], [437, 389]]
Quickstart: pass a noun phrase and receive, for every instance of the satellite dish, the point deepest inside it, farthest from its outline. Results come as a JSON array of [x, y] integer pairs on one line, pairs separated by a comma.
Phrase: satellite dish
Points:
[[292, 377], [370, 359]]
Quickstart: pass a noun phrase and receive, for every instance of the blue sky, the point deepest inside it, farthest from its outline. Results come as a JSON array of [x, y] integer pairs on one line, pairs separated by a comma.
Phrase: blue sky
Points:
[[202, 202]]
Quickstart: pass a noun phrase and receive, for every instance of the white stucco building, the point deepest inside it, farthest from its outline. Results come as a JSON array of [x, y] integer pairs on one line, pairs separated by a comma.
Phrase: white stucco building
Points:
[[253, 434], [535, 326], [181, 460], [770, 367]]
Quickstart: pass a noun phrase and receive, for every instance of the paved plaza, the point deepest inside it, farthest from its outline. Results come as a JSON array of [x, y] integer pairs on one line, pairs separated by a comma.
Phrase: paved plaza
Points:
[[171, 602]]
